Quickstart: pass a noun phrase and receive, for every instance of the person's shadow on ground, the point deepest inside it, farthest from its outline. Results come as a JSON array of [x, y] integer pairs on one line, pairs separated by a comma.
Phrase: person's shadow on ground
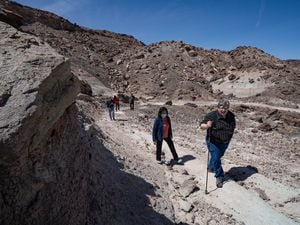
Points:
[[240, 173], [182, 160], [122, 120], [186, 158]]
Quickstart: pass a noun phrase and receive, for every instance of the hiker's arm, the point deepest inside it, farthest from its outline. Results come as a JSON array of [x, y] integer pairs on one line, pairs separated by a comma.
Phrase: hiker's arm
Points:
[[206, 125], [154, 131]]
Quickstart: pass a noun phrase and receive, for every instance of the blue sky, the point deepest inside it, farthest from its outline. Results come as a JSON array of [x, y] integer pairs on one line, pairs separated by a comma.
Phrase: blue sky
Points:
[[271, 25]]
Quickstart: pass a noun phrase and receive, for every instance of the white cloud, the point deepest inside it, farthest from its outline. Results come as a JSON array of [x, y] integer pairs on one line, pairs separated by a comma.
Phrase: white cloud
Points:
[[260, 13], [63, 7]]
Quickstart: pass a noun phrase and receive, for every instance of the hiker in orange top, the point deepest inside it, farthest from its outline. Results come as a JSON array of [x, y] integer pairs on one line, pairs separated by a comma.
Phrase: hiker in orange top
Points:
[[117, 102], [162, 130]]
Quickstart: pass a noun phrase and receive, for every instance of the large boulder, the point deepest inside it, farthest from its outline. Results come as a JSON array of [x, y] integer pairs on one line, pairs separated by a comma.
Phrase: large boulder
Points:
[[38, 88], [42, 160]]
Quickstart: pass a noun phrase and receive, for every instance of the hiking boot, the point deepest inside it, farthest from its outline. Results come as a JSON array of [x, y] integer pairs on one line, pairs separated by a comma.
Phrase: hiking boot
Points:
[[169, 163], [219, 182], [160, 162], [178, 161]]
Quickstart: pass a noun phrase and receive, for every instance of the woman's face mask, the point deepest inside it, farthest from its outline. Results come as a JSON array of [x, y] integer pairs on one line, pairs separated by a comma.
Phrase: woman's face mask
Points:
[[164, 115]]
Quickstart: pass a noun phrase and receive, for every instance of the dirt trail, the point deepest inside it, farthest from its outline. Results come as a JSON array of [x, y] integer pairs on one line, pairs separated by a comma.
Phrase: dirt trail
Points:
[[243, 204], [209, 103]]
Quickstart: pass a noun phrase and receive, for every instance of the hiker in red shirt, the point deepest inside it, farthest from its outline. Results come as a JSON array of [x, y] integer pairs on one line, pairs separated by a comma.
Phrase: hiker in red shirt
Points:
[[117, 103], [162, 130]]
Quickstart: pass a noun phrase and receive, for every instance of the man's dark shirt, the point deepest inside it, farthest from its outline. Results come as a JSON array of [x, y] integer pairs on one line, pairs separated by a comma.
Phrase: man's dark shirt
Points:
[[222, 128]]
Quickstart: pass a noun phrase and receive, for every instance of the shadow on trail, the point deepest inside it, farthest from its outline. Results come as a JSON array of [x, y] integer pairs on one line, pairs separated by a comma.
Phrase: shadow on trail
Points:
[[118, 197], [240, 173], [183, 159], [122, 120], [187, 158]]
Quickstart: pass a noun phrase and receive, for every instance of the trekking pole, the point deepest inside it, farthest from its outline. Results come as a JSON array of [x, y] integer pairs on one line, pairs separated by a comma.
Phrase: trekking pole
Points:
[[208, 140], [206, 192]]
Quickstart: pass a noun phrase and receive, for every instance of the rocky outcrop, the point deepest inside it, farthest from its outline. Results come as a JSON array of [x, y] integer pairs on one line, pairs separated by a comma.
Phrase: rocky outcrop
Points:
[[42, 156], [10, 17], [17, 15], [38, 87]]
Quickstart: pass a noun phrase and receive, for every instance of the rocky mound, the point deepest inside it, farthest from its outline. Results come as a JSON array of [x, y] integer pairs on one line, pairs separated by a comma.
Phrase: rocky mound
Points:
[[177, 70]]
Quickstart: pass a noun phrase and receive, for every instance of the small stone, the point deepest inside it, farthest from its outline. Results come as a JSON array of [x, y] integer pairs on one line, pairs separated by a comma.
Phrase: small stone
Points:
[[231, 77], [184, 172], [262, 194], [193, 53], [169, 102], [190, 218], [191, 105], [125, 83], [126, 76], [265, 127], [185, 206], [251, 81], [140, 56], [188, 187], [144, 66], [119, 62]]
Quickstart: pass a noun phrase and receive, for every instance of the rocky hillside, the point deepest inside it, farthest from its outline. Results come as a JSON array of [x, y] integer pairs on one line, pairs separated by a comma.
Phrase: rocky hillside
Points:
[[88, 50], [178, 70], [294, 63], [168, 70]]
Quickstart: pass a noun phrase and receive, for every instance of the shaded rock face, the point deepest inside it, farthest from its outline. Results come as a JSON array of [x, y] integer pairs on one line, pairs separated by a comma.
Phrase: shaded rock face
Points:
[[49, 185], [42, 151], [10, 17]]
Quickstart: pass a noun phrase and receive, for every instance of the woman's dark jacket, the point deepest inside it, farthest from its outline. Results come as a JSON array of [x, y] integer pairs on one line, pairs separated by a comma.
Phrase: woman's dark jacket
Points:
[[157, 131]]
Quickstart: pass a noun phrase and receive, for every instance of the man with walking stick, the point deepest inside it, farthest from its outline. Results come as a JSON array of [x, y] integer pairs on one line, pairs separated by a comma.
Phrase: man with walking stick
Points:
[[220, 125]]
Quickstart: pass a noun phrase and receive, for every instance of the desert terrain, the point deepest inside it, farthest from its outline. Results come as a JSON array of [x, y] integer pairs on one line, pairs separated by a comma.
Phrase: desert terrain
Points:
[[62, 161]]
